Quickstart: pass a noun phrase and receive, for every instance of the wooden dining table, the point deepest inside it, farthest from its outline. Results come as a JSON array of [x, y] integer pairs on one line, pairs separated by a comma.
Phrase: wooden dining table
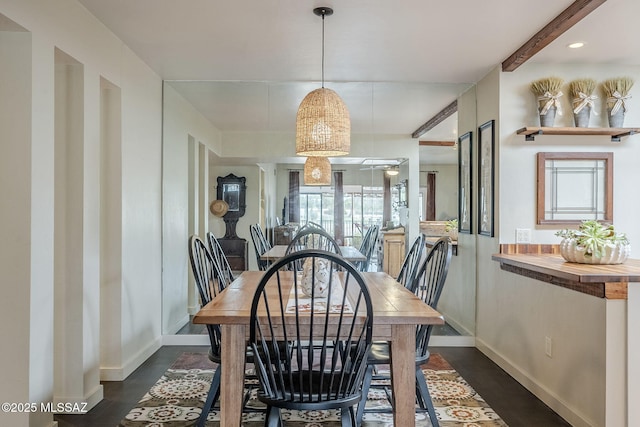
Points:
[[396, 312], [350, 253]]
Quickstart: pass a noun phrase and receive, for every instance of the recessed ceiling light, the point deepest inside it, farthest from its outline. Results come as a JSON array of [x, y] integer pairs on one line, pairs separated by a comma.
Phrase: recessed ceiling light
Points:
[[576, 45]]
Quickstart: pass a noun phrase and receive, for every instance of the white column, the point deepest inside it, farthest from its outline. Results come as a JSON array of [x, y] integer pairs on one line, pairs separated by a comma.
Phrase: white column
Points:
[[633, 354]]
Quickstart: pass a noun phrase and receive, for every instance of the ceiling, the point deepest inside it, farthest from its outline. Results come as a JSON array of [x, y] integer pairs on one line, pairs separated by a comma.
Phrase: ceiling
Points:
[[247, 64]]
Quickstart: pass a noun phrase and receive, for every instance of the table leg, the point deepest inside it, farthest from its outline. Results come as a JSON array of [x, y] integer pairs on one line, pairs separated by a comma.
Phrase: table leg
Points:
[[403, 380], [232, 378]]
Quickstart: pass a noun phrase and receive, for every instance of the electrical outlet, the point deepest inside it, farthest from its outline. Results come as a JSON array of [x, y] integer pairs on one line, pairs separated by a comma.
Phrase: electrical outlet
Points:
[[548, 346], [523, 235]]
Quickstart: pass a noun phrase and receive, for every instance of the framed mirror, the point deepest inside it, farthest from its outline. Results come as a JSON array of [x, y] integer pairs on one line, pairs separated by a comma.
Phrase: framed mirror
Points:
[[231, 189], [231, 195], [573, 187]]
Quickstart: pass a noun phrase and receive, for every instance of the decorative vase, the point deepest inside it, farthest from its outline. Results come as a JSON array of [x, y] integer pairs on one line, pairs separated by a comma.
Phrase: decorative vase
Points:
[[546, 120], [581, 119], [315, 277], [616, 120], [616, 254]]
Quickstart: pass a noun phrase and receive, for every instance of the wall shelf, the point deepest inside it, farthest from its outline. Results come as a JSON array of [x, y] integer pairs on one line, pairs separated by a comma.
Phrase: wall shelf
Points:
[[616, 134]]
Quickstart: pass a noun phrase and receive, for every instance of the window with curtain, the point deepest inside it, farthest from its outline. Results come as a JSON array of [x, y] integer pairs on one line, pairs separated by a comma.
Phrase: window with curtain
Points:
[[294, 196]]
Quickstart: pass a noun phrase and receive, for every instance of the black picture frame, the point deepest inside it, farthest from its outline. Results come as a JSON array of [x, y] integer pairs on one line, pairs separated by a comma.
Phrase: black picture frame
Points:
[[486, 182], [465, 183]]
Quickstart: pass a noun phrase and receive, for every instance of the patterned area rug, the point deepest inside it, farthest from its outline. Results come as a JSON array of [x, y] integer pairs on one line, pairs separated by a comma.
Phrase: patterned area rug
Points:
[[176, 399]]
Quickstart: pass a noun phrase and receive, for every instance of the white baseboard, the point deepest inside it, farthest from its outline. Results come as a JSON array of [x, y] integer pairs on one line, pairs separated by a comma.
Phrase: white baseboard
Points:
[[94, 397], [196, 339], [121, 373], [173, 329], [79, 405], [543, 393], [458, 326], [452, 341]]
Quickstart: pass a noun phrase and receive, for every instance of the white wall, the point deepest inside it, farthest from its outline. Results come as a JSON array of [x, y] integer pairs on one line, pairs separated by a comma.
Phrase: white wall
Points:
[[27, 185], [181, 123], [458, 300], [515, 314], [20, 243]]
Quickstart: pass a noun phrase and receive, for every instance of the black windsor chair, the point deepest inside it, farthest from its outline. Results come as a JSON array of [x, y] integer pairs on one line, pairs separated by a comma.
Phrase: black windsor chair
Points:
[[428, 286], [367, 247], [313, 238], [220, 258], [412, 261], [209, 281], [311, 224], [260, 245], [323, 375]]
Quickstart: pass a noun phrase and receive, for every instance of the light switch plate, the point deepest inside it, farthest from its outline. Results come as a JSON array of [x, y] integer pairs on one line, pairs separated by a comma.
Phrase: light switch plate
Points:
[[523, 235]]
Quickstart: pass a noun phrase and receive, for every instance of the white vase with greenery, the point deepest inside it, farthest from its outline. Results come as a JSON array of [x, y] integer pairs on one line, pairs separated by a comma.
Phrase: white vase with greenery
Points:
[[594, 243]]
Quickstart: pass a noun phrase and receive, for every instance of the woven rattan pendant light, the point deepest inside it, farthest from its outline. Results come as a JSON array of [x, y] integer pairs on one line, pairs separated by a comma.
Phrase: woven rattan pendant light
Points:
[[323, 125], [317, 171]]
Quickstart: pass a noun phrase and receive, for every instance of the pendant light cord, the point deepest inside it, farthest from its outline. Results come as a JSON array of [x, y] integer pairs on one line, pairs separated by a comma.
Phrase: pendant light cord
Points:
[[323, 49]]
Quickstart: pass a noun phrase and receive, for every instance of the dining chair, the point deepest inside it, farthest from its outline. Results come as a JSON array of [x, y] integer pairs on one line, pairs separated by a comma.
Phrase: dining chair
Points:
[[313, 238], [260, 245], [220, 258], [311, 224], [367, 247], [412, 260], [314, 377], [210, 282], [428, 285]]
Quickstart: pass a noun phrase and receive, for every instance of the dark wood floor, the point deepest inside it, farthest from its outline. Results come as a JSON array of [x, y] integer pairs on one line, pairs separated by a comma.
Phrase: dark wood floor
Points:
[[516, 406]]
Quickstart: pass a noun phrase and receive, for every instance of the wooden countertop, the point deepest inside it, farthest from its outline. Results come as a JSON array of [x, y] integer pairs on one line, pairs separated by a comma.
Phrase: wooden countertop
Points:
[[603, 281]]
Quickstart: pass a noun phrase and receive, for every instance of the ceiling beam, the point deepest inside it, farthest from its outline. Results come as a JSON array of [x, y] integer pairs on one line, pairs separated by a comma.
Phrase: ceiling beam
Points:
[[554, 29], [435, 120], [436, 143]]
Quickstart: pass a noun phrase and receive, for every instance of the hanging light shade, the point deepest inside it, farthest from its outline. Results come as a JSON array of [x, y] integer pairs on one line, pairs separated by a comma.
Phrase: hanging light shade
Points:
[[317, 171], [323, 125]]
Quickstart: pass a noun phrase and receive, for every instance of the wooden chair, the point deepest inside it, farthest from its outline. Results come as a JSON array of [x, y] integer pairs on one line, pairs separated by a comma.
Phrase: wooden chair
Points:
[[220, 258], [209, 281], [430, 279], [325, 375]]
